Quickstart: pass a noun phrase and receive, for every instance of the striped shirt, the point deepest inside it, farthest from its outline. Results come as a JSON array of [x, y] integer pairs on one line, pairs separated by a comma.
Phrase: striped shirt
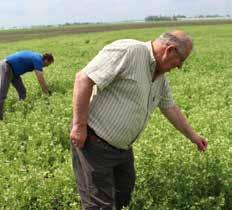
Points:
[[125, 94]]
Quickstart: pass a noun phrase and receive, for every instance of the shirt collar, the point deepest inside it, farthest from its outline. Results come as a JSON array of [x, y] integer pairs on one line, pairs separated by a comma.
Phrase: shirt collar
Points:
[[151, 57], [149, 47]]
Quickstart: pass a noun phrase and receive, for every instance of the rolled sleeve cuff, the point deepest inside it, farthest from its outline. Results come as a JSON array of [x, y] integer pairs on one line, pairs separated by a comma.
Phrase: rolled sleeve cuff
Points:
[[166, 104], [96, 77]]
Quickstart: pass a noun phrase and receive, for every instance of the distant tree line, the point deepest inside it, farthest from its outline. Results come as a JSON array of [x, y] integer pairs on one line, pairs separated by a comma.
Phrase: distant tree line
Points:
[[151, 18], [75, 23], [211, 16], [163, 18]]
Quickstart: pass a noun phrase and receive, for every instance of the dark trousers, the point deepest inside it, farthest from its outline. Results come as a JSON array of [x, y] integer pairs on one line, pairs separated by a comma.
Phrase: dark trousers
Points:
[[105, 175], [19, 86], [7, 77]]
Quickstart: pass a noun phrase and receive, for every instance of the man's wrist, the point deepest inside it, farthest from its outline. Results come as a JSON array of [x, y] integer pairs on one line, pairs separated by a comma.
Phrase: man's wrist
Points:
[[45, 90], [79, 125], [194, 136]]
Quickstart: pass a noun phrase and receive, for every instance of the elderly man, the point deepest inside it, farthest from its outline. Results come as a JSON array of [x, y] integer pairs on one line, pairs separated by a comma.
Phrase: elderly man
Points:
[[17, 64], [130, 81]]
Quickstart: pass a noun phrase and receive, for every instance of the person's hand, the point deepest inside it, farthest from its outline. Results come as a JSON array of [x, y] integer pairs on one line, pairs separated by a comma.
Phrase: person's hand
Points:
[[49, 92], [78, 136], [46, 93], [200, 142]]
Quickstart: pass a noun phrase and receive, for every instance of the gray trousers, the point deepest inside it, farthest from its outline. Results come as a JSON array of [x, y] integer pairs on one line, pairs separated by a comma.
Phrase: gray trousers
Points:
[[7, 77], [105, 176]]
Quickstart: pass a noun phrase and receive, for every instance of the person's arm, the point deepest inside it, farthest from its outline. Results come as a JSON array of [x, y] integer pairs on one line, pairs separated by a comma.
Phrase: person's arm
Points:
[[179, 121], [42, 82], [100, 71], [82, 92]]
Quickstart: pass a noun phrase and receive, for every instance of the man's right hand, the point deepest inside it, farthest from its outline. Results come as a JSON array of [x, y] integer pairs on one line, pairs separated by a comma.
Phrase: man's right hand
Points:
[[42, 82], [47, 92], [78, 136]]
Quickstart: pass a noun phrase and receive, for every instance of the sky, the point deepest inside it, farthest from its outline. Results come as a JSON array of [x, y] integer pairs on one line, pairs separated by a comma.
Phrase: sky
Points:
[[24, 13]]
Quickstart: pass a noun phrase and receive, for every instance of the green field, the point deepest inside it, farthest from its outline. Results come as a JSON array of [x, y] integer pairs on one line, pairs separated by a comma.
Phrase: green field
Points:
[[35, 162], [43, 32]]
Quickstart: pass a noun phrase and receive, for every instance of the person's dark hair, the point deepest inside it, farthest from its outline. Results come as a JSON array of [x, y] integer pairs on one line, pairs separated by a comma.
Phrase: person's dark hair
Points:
[[49, 57]]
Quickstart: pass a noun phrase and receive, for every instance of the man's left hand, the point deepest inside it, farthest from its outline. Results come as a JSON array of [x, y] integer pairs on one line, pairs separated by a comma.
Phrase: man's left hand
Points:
[[200, 142]]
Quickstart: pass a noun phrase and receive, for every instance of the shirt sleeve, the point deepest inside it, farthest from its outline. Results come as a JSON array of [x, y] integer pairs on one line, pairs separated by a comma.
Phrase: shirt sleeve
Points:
[[166, 97], [106, 66], [38, 64]]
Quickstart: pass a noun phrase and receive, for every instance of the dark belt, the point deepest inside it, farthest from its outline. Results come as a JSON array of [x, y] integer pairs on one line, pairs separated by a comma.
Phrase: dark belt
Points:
[[94, 137]]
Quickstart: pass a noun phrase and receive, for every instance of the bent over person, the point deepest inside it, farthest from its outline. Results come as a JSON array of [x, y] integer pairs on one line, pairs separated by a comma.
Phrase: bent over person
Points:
[[129, 77], [17, 64]]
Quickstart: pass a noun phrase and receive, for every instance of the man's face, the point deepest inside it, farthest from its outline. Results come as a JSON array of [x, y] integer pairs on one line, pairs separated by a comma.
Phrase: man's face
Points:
[[47, 62], [171, 58]]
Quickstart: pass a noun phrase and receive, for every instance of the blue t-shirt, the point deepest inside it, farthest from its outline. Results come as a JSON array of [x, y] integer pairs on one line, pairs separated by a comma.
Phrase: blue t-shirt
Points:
[[25, 61]]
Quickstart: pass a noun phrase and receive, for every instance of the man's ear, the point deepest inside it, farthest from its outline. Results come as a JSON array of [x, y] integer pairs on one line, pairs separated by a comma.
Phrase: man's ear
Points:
[[169, 50]]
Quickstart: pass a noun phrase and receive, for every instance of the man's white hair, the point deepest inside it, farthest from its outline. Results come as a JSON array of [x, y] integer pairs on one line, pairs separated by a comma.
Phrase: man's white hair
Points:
[[179, 42]]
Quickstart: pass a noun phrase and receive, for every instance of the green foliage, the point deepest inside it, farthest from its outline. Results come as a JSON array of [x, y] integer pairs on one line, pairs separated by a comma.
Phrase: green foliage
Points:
[[35, 162]]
